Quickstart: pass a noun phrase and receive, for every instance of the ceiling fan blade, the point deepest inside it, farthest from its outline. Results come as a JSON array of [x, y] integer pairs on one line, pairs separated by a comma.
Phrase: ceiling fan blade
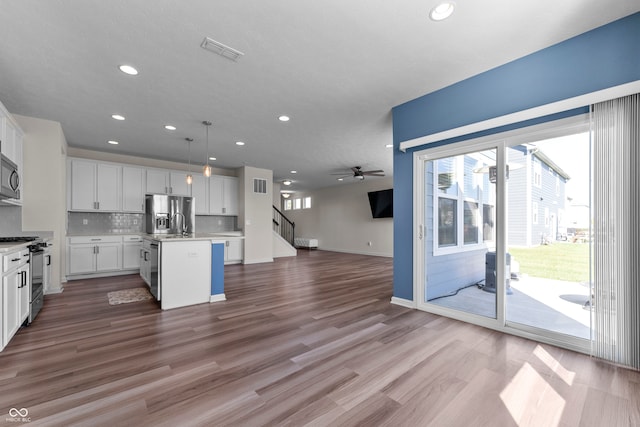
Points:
[[372, 172]]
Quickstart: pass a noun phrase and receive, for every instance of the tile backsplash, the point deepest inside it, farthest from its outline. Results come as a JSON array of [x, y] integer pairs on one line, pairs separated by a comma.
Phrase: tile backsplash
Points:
[[79, 223], [104, 223]]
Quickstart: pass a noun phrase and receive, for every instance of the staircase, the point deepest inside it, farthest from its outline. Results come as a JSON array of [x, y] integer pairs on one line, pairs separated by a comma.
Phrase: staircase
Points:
[[283, 226]]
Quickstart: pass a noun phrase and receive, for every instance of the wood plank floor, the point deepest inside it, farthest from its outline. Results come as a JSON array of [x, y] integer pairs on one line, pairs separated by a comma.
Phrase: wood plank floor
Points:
[[311, 340]]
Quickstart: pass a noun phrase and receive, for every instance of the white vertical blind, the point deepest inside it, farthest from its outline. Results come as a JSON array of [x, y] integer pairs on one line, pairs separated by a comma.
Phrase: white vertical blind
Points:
[[616, 229]]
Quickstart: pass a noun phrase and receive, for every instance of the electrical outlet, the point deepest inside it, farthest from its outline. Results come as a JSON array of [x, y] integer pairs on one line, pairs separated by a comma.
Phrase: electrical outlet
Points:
[[85, 221], [135, 222]]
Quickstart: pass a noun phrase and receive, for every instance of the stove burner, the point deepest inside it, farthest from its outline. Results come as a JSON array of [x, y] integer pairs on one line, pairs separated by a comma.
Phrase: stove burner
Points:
[[17, 239]]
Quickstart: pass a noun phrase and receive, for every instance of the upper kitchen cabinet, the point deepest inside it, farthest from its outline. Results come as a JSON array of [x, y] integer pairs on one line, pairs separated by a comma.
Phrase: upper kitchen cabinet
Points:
[[160, 181], [94, 186], [133, 188], [11, 145], [223, 195], [217, 195]]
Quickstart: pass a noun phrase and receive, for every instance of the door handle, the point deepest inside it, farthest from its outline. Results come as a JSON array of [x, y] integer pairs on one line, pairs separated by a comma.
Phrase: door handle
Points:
[[48, 259]]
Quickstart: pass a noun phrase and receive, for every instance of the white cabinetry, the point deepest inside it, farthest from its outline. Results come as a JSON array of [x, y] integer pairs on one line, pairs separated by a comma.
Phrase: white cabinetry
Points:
[[11, 146], [145, 261], [233, 250], [160, 181], [133, 188], [14, 297], [223, 195], [94, 186], [131, 249], [94, 254], [217, 195]]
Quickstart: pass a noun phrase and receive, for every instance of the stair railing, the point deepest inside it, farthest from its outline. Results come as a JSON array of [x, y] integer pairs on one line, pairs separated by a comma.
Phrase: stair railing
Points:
[[283, 226]]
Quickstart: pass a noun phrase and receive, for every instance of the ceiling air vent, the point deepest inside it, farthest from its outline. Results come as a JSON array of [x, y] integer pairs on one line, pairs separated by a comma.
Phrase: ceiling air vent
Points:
[[221, 49], [259, 185]]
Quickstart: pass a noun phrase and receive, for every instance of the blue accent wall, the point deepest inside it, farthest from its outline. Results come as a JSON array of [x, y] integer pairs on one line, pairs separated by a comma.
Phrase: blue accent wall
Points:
[[604, 57]]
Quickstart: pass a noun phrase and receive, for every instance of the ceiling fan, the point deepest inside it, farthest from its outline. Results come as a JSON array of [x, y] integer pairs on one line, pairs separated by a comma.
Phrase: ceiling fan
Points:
[[358, 173]]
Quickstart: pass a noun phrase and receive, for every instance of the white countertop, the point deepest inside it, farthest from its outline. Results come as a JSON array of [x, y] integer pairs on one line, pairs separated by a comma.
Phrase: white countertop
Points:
[[195, 236], [13, 246]]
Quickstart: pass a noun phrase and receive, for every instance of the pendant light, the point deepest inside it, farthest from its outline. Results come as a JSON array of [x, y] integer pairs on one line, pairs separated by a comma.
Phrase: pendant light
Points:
[[189, 176], [206, 170]]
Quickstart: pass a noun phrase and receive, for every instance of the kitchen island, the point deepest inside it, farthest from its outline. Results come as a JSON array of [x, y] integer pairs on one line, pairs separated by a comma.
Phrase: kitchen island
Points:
[[185, 270]]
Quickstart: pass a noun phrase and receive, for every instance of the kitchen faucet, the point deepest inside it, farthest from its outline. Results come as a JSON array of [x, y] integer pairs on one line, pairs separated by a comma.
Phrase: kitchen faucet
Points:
[[184, 223]]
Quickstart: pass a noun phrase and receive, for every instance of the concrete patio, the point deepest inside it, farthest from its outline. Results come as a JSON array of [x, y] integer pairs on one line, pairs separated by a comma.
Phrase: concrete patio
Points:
[[553, 305]]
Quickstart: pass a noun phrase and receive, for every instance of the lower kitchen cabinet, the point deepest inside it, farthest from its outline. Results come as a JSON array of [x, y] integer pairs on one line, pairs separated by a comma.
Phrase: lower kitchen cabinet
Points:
[[234, 251], [94, 254], [131, 248], [14, 295]]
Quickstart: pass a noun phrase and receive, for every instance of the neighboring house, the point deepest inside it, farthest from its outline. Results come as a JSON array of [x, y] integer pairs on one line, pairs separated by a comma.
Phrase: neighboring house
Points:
[[460, 212]]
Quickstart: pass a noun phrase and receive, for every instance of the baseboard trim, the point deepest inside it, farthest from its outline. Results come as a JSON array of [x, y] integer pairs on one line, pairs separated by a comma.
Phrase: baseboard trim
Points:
[[258, 261], [403, 302], [217, 298]]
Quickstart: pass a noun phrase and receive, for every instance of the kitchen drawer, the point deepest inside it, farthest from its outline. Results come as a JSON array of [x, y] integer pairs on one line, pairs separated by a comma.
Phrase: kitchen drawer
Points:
[[94, 239], [14, 259], [131, 238]]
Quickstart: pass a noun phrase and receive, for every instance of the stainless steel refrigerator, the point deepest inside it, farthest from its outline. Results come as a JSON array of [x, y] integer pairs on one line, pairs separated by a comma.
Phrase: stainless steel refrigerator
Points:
[[165, 214]]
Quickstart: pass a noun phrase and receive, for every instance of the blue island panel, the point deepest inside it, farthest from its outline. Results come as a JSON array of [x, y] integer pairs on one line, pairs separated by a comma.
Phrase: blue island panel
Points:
[[217, 268]]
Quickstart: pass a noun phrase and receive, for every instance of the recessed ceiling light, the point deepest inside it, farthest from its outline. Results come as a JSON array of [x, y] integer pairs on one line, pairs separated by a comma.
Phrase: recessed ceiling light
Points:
[[340, 179], [239, 143], [287, 182], [284, 118], [128, 69], [442, 11], [169, 127], [117, 117], [113, 142], [388, 146], [212, 158], [294, 171]]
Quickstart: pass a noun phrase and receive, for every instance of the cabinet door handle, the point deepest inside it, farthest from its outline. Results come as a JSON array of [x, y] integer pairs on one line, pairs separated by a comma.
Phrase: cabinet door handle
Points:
[[98, 203], [145, 256], [96, 240], [48, 259], [170, 190], [15, 259], [97, 249]]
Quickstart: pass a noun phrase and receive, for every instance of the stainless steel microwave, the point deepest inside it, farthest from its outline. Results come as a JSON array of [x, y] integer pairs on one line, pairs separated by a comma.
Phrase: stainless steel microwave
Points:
[[9, 179]]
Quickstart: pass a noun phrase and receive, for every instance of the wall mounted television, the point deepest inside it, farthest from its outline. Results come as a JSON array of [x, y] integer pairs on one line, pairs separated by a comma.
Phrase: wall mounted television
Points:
[[381, 203]]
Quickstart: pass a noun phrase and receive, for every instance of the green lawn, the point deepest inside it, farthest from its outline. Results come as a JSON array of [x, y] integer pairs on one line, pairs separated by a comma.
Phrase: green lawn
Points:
[[560, 261]]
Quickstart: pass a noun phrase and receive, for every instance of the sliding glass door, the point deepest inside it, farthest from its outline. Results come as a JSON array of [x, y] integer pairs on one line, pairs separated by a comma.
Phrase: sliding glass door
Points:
[[503, 233]]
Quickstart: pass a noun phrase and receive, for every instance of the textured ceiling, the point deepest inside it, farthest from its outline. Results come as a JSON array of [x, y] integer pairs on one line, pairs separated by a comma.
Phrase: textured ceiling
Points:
[[336, 67]]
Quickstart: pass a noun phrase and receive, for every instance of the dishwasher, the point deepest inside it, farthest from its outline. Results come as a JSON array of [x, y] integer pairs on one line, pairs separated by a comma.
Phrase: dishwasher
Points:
[[154, 255]]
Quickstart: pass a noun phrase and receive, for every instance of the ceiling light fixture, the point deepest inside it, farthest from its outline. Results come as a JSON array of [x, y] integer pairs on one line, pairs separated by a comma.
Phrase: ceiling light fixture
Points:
[[212, 158], [239, 143], [442, 11], [113, 142], [388, 146], [294, 171], [189, 176], [221, 49], [286, 195], [128, 69], [117, 117], [206, 170], [170, 127], [284, 118], [286, 182]]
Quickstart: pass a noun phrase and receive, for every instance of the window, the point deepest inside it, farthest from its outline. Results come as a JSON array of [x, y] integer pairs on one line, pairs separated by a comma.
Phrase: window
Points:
[[537, 173], [288, 204], [297, 203], [306, 203], [488, 223], [470, 223], [447, 222], [463, 201], [534, 213]]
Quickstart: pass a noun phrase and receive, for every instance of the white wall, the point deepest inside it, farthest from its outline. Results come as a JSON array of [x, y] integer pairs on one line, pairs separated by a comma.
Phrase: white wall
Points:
[[256, 216], [44, 186], [340, 218]]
